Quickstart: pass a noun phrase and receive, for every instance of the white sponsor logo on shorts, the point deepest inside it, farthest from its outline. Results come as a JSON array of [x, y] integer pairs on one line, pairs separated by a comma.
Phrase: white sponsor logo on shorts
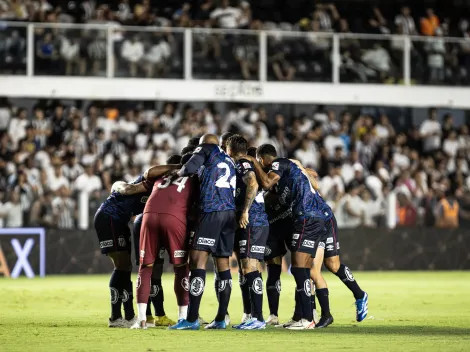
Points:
[[275, 166], [337, 245], [191, 234], [205, 241], [309, 244], [115, 293], [308, 288], [295, 236], [106, 244], [293, 243], [142, 253], [179, 254], [267, 251], [321, 245], [247, 165], [185, 284], [257, 249], [258, 286], [329, 240], [242, 243], [121, 241], [197, 286], [242, 250], [330, 247]]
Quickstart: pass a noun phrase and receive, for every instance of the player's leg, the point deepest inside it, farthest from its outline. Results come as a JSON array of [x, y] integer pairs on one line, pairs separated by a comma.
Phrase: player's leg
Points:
[[257, 238], [202, 243], [148, 253], [224, 249], [321, 289], [334, 265], [157, 296], [240, 245]]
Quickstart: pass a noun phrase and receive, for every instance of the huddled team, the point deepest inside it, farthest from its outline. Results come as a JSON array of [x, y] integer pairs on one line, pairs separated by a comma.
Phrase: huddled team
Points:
[[219, 199]]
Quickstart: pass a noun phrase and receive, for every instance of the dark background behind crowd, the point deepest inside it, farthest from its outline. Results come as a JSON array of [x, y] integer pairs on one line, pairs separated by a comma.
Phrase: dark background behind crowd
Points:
[[53, 151]]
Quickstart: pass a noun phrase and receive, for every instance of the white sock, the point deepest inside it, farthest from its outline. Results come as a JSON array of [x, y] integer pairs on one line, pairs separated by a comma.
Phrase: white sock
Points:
[[182, 312], [142, 315]]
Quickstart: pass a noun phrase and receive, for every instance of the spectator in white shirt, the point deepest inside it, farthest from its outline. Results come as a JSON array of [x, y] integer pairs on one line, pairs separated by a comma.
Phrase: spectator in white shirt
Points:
[[17, 128], [378, 59], [431, 131], [451, 145], [156, 57], [226, 16], [352, 208], [11, 211], [332, 185], [69, 50], [56, 179], [133, 52], [333, 141], [88, 182], [72, 169], [307, 154], [64, 209], [436, 50], [406, 22], [384, 130]]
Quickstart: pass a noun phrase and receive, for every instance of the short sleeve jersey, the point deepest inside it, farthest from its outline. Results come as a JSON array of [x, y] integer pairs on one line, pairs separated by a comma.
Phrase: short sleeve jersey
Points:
[[123, 207], [216, 178], [257, 213], [295, 188]]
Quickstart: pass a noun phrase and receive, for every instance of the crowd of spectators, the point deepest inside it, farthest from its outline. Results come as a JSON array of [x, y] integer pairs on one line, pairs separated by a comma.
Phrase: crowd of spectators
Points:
[[157, 51], [52, 153]]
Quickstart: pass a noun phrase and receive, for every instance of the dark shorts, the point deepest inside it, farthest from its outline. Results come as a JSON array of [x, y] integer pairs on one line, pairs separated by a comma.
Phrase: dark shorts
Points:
[[330, 241], [136, 238], [275, 245], [251, 242], [215, 233], [113, 235], [163, 231], [306, 235]]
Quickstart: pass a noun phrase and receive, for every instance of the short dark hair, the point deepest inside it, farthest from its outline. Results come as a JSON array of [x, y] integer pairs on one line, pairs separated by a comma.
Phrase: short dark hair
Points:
[[185, 158], [188, 149], [194, 141], [174, 159], [266, 149], [225, 137], [238, 144], [252, 152]]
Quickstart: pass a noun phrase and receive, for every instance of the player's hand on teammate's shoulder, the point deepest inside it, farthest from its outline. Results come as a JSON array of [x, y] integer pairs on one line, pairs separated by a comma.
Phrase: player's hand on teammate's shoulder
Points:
[[118, 186], [243, 222]]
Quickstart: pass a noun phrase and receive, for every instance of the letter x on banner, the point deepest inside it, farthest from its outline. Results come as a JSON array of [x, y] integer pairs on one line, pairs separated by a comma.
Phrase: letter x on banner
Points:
[[22, 253]]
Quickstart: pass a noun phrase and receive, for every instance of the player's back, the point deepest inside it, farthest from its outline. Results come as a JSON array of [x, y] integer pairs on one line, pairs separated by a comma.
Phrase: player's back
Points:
[[123, 207], [257, 212], [174, 196], [217, 179]]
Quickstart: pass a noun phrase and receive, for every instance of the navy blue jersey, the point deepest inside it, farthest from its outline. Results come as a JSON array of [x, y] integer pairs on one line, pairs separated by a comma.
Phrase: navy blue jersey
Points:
[[217, 179], [257, 213], [121, 207], [294, 187]]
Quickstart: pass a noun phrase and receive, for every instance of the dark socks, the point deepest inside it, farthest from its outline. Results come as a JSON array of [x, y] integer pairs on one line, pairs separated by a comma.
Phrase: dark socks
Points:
[[117, 283], [245, 289], [345, 275], [224, 292], [298, 307], [157, 297], [255, 286], [197, 281], [149, 309], [128, 298], [323, 299], [304, 291], [273, 288]]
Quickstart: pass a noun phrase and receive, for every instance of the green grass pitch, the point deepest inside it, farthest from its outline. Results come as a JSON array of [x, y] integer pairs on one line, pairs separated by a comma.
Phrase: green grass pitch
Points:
[[408, 311]]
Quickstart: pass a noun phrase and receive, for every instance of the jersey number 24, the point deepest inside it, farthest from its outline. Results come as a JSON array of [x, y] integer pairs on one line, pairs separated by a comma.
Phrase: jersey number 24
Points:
[[223, 181]]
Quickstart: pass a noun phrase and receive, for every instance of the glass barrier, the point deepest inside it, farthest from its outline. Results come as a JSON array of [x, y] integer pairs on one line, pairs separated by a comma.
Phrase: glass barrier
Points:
[[223, 55], [148, 53], [440, 61], [299, 57], [375, 60], [69, 50], [13, 43]]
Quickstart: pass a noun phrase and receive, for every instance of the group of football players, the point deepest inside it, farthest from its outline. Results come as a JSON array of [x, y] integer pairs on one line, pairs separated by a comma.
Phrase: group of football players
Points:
[[218, 199]]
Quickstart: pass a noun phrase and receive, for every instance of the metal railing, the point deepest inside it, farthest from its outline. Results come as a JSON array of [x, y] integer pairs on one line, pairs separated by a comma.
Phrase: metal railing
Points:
[[109, 50]]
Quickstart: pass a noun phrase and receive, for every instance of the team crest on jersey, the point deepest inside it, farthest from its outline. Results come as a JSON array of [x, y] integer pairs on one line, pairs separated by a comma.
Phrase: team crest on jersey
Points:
[[185, 284], [154, 290], [308, 288], [115, 295], [275, 166], [197, 286], [246, 165], [144, 199], [197, 150], [258, 286]]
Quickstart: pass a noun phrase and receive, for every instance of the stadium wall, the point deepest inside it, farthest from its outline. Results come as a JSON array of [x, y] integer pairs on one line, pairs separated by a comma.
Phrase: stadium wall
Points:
[[77, 252]]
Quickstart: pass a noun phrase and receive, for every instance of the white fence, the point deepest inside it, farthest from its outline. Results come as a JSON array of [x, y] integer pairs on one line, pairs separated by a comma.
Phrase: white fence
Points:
[[97, 62]]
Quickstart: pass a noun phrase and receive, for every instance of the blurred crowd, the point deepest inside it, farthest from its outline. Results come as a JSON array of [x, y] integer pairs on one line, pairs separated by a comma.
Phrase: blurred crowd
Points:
[[157, 51], [51, 154]]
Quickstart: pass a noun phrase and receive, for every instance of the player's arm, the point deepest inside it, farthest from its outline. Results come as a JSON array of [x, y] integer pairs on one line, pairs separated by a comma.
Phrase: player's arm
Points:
[[267, 180], [251, 190], [128, 189], [310, 173], [157, 171], [198, 159]]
